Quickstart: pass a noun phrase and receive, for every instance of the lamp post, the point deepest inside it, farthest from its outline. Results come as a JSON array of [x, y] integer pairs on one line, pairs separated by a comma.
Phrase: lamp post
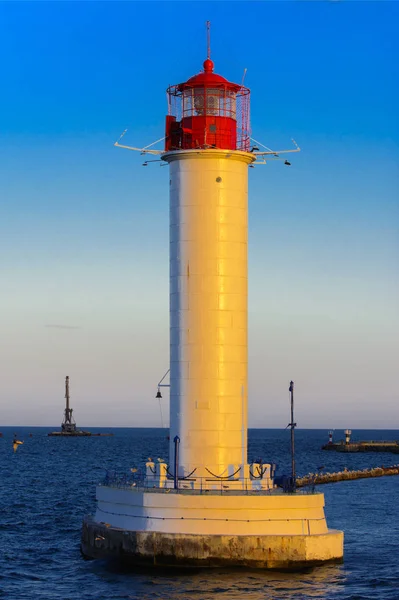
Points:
[[292, 425]]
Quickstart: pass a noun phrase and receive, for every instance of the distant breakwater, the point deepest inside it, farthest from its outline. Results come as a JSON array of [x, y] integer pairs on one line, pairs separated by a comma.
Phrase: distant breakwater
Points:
[[345, 475], [362, 447]]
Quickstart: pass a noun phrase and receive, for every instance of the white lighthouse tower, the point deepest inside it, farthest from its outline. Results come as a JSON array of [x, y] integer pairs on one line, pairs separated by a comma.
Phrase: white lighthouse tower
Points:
[[208, 153], [206, 505]]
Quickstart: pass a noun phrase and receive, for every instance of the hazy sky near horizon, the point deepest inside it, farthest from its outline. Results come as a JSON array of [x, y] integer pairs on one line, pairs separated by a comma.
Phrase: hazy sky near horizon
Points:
[[84, 228]]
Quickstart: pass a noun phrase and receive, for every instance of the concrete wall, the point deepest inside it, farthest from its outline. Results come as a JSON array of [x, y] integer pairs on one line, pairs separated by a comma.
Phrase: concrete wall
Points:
[[229, 513]]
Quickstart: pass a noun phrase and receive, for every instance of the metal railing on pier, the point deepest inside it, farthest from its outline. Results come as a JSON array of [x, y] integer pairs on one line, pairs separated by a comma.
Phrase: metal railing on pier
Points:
[[197, 486]]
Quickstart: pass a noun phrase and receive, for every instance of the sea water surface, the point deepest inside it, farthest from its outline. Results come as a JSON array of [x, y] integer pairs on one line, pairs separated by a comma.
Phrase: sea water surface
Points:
[[48, 485]]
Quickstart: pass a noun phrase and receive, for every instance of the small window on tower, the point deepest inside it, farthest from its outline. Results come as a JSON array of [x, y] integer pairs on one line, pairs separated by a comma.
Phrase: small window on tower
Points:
[[212, 128]]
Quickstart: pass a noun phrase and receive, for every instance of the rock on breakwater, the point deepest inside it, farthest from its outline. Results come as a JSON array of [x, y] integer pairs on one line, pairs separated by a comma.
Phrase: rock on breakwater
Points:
[[345, 475]]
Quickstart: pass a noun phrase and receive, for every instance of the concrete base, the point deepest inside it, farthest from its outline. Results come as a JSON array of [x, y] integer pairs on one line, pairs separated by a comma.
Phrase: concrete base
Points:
[[280, 552]]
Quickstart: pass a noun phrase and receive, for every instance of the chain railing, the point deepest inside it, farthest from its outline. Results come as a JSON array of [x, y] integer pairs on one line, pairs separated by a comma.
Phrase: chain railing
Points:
[[137, 481]]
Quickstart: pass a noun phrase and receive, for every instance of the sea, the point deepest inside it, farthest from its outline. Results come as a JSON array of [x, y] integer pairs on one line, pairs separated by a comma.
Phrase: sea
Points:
[[48, 485]]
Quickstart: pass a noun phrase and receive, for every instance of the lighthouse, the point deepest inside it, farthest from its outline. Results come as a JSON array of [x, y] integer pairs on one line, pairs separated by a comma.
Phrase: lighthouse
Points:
[[207, 148], [205, 504]]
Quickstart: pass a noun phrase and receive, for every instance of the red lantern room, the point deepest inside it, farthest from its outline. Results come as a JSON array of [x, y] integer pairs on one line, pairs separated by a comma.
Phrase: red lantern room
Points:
[[207, 111]]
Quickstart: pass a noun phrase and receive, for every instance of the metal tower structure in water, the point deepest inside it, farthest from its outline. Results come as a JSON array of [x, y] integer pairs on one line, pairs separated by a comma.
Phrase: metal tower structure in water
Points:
[[68, 425]]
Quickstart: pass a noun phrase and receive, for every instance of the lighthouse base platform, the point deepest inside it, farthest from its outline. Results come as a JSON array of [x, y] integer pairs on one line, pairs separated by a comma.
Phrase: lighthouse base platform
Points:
[[156, 549], [262, 530]]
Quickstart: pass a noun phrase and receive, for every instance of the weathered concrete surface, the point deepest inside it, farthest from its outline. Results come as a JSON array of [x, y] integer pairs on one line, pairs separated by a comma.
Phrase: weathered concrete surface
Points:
[[175, 550]]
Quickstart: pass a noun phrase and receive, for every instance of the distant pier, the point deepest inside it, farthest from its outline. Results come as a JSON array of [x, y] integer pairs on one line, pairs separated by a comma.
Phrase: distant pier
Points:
[[360, 446], [368, 446], [77, 433]]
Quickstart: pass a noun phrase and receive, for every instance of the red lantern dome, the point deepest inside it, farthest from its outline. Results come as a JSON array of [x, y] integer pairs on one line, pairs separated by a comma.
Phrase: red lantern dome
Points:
[[207, 111]]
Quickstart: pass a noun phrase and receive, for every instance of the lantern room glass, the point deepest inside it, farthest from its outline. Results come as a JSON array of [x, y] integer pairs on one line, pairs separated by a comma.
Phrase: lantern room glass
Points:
[[201, 101]]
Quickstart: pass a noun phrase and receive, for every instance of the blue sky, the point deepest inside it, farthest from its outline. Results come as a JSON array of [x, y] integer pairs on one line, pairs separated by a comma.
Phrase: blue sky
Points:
[[84, 229]]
